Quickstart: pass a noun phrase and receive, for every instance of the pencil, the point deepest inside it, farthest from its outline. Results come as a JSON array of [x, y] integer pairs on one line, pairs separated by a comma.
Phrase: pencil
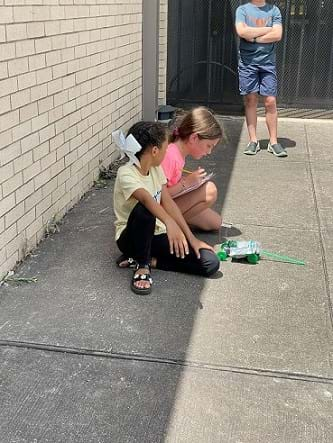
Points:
[[187, 171]]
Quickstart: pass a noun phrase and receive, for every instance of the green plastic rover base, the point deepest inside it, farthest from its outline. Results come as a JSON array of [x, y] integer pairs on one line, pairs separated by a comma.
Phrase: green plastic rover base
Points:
[[223, 254], [253, 259]]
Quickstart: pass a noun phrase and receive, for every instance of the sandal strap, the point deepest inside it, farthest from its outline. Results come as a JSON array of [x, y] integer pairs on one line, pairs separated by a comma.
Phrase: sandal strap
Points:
[[140, 277], [131, 262], [140, 266]]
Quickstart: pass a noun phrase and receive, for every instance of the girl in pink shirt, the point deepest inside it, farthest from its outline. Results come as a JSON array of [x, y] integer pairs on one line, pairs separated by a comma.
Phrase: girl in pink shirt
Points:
[[194, 133]]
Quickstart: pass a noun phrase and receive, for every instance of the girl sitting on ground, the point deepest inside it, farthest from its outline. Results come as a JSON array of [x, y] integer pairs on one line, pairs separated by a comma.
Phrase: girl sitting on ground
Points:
[[194, 133], [148, 222]]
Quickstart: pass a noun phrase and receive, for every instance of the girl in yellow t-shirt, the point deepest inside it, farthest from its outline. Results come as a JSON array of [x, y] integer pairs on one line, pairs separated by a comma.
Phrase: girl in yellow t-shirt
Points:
[[149, 225]]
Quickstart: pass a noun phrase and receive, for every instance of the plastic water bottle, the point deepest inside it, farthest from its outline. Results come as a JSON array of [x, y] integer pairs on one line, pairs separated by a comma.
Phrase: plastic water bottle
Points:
[[240, 249]]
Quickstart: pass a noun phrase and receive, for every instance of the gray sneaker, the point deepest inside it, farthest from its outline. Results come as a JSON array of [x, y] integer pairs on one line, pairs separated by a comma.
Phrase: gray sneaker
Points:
[[277, 150], [252, 148]]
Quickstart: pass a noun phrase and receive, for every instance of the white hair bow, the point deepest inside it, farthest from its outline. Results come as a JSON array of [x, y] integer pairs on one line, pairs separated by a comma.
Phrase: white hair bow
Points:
[[127, 146]]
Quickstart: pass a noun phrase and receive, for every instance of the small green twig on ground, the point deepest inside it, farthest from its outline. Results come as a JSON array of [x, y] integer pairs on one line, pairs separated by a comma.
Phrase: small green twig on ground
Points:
[[9, 278]]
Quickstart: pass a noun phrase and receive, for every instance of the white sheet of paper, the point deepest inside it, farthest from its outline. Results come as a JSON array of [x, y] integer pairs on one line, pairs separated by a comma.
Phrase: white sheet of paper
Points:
[[194, 186]]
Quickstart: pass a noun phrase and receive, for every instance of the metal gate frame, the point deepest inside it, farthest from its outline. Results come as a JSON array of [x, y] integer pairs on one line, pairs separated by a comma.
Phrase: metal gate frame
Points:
[[202, 54]]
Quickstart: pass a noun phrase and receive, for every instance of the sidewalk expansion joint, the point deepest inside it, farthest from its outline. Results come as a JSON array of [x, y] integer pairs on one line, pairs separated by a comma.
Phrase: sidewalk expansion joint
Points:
[[146, 358], [321, 239], [284, 227]]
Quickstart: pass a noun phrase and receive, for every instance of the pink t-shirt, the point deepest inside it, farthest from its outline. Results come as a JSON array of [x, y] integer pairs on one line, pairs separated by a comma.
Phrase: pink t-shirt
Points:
[[173, 164]]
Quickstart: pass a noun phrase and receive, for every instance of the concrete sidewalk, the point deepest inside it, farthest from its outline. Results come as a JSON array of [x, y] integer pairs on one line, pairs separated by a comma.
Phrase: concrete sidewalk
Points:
[[244, 357]]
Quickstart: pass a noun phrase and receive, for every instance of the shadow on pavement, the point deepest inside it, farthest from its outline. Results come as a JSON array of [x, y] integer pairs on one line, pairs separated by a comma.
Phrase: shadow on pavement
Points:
[[285, 142], [88, 340]]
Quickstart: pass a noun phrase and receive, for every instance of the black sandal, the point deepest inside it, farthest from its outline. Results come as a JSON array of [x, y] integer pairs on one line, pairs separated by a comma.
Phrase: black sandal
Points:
[[140, 277], [131, 263]]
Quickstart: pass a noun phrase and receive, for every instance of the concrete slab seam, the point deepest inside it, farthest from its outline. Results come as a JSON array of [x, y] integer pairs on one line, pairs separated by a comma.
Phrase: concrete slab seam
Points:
[[321, 240], [258, 372], [258, 225]]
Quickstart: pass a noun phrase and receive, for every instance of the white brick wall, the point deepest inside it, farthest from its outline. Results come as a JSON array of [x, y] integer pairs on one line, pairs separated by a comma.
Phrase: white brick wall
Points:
[[70, 73], [163, 41]]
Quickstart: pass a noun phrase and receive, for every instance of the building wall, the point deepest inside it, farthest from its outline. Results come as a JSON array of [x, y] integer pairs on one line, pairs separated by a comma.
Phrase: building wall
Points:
[[70, 73], [163, 36]]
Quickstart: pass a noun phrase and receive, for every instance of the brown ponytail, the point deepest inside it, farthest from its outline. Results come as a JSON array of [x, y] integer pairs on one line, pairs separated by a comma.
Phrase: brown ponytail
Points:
[[199, 120]]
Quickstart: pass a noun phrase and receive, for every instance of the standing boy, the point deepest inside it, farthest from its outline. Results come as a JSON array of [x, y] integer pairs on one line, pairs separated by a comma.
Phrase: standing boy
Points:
[[259, 26]]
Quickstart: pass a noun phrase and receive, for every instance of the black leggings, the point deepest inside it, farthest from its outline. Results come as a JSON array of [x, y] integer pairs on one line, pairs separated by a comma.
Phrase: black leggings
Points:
[[139, 242]]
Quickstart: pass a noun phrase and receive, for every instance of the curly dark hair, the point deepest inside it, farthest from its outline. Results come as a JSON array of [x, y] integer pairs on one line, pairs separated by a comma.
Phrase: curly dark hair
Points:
[[148, 134]]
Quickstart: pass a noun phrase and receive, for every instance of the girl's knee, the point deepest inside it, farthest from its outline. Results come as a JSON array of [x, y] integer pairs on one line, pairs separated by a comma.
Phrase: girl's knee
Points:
[[209, 262], [216, 223], [211, 193]]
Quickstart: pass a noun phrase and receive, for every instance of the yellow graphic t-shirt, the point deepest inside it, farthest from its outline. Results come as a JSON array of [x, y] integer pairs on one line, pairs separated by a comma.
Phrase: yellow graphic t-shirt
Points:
[[128, 180]]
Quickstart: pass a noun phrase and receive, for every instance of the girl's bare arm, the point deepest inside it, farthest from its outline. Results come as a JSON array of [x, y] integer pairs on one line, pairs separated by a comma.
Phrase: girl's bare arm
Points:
[[177, 238]]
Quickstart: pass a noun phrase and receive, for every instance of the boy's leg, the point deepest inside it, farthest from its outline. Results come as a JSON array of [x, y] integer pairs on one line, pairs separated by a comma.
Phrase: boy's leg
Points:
[[249, 88], [271, 118], [268, 89], [251, 102], [207, 265]]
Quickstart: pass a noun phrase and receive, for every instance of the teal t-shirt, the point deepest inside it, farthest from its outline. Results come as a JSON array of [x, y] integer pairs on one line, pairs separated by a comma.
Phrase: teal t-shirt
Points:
[[257, 16]]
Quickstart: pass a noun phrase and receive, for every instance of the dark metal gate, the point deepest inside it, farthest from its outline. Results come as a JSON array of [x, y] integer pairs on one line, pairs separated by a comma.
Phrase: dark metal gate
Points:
[[202, 54]]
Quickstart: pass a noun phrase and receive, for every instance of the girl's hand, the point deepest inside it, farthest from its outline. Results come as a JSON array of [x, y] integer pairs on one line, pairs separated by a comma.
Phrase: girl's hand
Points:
[[177, 240], [198, 244], [195, 177]]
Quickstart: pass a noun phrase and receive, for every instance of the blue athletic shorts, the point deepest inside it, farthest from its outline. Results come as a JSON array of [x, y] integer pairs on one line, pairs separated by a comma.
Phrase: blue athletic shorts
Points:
[[256, 78]]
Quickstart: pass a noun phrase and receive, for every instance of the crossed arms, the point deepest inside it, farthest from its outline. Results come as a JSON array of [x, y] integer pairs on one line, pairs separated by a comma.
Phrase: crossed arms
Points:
[[265, 34]]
